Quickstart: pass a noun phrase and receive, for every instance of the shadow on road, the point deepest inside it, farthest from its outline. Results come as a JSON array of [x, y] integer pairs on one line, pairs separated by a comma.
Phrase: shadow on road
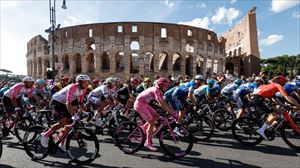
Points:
[[5, 166]]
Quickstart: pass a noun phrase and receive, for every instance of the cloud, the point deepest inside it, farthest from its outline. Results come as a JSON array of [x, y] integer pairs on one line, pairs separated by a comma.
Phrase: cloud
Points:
[[271, 39], [233, 1], [168, 3], [281, 5], [199, 5], [225, 16], [8, 4], [198, 22], [76, 20], [296, 14]]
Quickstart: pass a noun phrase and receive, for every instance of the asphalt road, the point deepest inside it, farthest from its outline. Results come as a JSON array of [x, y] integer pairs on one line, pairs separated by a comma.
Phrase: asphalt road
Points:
[[220, 151]]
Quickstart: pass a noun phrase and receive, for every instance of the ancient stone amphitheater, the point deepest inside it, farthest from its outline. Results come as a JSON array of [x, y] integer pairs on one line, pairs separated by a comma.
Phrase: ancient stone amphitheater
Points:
[[128, 49]]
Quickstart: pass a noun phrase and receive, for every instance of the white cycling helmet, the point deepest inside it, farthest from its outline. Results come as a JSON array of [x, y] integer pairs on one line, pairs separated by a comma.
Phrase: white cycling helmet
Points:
[[199, 77], [82, 78], [28, 79], [110, 80]]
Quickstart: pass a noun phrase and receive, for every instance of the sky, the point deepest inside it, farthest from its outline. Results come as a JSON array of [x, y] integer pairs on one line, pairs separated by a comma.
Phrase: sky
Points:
[[278, 21]]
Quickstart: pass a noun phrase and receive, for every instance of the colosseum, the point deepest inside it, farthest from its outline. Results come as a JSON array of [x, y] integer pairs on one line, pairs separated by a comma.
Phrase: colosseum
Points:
[[128, 49]]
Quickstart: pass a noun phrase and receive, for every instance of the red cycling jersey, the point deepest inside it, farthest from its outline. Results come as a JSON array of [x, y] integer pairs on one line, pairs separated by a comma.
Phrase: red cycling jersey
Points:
[[269, 90]]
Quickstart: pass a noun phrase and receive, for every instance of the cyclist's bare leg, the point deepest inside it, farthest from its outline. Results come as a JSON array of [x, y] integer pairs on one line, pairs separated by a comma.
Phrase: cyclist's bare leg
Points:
[[181, 115], [61, 123], [240, 113]]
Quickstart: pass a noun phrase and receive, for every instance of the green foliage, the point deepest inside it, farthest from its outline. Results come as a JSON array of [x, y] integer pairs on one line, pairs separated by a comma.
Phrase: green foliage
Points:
[[282, 65]]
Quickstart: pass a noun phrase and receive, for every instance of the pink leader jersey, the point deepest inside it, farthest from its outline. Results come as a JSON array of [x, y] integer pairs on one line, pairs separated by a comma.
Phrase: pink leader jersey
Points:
[[18, 90], [69, 94], [149, 94]]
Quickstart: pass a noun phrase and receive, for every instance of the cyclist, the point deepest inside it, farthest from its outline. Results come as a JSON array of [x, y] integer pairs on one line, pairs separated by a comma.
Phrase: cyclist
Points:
[[40, 90], [292, 89], [101, 97], [268, 91], [204, 91], [181, 93], [127, 94], [144, 85], [63, 110], [12, 99], [141, 105], [58, 86]]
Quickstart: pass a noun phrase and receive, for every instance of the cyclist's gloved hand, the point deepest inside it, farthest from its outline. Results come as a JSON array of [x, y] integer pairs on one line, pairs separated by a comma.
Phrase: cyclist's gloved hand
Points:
[[17, 109], [175, 114], [75, 117]]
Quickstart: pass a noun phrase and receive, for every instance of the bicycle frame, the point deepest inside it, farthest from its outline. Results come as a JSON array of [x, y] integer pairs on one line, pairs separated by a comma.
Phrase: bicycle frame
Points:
[[291, 122], [165, 122]]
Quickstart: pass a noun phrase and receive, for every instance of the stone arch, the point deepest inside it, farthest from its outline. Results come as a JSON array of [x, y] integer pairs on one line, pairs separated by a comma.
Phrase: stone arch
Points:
[[90, 44], [134, 45], [229, 66], [235, 52], [134, 63], [199, 64], [149, 61], [120, 61], [77, 60], [188, 65], [105, 62], [90, 62], [176, 62], [65, 61], [163, 61], [39, 64], [240, 51], [189, 47]]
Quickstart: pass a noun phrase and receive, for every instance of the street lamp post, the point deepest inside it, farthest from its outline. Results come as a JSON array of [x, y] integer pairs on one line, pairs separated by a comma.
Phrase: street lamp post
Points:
[[52, 29]]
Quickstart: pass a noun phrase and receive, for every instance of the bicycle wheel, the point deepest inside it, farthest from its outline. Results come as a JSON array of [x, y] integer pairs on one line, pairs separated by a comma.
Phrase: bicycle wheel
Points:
[[222, 119], [129, 137], [113, 124], [244, 131], [82, 149], [174, 145], [201, 128], [290, 136], [32, 143], [22, 126]]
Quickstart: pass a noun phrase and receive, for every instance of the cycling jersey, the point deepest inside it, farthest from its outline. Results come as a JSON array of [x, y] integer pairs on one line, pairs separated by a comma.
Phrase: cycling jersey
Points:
[[185, 89], [150, 94], [70, 93], [18, 90], [3, 90], [292, 87], [269, 90], [202, 90], [228, 89], [245, 89], [100, 92]]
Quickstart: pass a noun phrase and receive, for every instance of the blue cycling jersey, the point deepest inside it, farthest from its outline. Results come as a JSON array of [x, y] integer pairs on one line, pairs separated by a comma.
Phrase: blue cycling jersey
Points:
[[246, 89], [292, 87], [185, 89]]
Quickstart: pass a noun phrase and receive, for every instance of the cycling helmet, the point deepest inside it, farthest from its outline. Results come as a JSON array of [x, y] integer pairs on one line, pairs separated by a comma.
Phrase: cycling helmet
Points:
[[28, 79], [297, 78], [280, 79], [135, 81], [109, 80], [95, 82], [65, 79], [146, 80], [82, 78], [40, 82], [117, 79], [162, 82], [238, 81], [210, 81], [199, 77], [216, 87]]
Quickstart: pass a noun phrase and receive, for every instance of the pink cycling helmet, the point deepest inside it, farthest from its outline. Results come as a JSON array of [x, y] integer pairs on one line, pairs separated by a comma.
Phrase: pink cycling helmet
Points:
[[162, 82]]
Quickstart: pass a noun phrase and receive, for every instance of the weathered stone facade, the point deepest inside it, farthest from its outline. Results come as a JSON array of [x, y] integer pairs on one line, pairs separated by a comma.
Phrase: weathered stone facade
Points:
[[242, 52], [126, 49]]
